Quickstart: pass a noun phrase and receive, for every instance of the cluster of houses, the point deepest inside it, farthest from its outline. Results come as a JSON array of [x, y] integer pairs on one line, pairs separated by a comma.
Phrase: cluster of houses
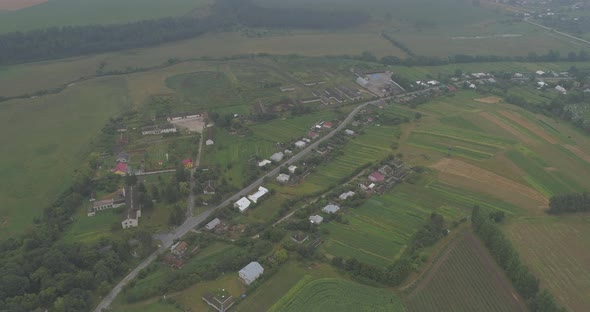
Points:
[[379, 83], [243, 203], [328, 209], [177, 255]]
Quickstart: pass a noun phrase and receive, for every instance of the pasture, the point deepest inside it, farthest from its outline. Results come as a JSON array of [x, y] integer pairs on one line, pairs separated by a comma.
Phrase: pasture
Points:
[[556, 249], [464, 277], [332, 294]]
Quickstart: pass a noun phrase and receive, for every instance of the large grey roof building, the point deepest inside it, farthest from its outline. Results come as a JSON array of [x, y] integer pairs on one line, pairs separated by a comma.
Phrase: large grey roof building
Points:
[[251, 272]]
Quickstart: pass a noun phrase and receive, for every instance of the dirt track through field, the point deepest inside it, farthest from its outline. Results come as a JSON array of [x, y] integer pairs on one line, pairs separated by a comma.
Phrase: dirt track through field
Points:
[[465, 175], [13, 5], [517, 134], [489, 100], [529, 126]]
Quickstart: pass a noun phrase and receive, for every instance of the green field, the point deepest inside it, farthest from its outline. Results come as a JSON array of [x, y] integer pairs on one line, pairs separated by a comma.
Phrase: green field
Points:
[[88, 12], [464, 278], [331, 294]]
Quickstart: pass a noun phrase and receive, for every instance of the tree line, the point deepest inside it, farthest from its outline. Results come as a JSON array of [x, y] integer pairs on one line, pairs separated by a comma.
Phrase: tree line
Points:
[[569, 203], [508, 259]]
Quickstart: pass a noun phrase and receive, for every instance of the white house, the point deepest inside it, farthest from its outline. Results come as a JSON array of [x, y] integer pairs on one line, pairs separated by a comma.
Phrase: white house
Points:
[[540, 72], [561, 89], [300, 144], [264, 163], [283, 178], [349, 132], [131, 222], [214, 223], [259, 194], [277, 157], [242, 204], [209, 142], [317, 219], [292, 169], [345, 196], [541, 84], [251, 272], [331, 208]]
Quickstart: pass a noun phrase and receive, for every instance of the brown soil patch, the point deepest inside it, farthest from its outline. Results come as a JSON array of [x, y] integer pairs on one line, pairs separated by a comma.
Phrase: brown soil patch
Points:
[[489, 100], [580, 153], [529, 126], [517, 134], [551, 169], [462, 174], [13, 5]]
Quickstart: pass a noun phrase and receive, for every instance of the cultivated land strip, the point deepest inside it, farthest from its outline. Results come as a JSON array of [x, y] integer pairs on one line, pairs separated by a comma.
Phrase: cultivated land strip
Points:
[[517, 134], [529, 126]]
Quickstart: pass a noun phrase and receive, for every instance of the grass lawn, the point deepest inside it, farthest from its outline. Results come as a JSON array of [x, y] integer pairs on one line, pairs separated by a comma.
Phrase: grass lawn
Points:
[[91, 229]]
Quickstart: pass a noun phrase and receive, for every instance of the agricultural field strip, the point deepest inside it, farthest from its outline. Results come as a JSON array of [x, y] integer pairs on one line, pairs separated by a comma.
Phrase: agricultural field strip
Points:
[[520, 128], [507, 127], [545, 182], [533, 128]]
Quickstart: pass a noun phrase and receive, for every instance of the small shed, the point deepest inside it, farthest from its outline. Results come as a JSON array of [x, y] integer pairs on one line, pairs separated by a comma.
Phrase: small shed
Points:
[[317, 219], [283, 178]]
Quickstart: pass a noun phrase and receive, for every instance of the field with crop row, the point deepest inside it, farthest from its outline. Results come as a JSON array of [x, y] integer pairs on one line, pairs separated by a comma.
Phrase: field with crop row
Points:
[[464, 278]]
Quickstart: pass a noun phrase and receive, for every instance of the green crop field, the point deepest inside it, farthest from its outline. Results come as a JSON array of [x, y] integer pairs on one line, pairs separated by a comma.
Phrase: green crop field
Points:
[[284, 130], [464, 278], [88, 12], [556, 249], [331, 294]]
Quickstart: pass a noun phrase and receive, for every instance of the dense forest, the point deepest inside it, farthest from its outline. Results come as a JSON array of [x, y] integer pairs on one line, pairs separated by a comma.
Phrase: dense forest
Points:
[[568, 203], [507, 257]]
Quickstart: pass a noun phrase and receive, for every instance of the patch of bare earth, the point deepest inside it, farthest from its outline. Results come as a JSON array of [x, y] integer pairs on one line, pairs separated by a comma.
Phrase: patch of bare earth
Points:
[[489, 100], [462, 174], [13, 5], [517, 134], [580, 153], [529, 126]]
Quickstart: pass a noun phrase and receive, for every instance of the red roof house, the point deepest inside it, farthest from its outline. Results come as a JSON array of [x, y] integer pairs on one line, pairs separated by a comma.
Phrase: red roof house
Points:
[[187, 163], [376, 177], [328, 124], [452, 88], [312, 135], [120, 169]]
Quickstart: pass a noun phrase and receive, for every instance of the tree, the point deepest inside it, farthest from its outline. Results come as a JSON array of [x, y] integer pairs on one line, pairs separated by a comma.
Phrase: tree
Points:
[[281, 256]]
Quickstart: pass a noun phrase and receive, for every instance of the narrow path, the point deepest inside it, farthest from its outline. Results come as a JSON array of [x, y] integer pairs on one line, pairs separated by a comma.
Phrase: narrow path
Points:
[[557, 31]]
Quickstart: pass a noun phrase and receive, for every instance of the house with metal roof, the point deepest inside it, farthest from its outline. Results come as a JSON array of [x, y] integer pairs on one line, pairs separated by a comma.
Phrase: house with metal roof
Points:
[[251, 272]]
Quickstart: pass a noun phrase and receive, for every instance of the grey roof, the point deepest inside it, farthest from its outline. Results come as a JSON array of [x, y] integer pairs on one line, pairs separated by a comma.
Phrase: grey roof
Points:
[[331, 208], [251, 272]]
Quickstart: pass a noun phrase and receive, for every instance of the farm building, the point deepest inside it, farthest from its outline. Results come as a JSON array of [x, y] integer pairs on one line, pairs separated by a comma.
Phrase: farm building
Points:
[[328, 125], [209, 142], [251, 272], [331, 208], [120, 169], [214, 223], [187, 163], [264, 163], [179, 248], [277, 157], [349, 132], [376, 177], [292, 169], [181, 116], [317, 219], [346, 195], [288, 152], [172, 261], [131, 222], [259, 194], [283, 178], [242, 204], [158, 129], [313, 135], [540, 72], [300, 144], [560, 89], [386, 170]]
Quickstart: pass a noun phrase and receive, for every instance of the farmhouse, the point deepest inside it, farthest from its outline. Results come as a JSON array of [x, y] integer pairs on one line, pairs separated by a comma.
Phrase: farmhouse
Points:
[[187, 163], [300, 144], [251, 272], [288, 152], [331, 208], [213, 224], [312, 135], [130, 221], [560, 89], [209, 142], [540, 72], [283, 178], [346, 195], [179, 248], [107, 204], [328, 125], [172, 261], [376, 177], [259, 194], [242, 204], [292, 169], [158, 129], [120, 169], [317, 219], [349, 132], [264, 163], [277, 157]]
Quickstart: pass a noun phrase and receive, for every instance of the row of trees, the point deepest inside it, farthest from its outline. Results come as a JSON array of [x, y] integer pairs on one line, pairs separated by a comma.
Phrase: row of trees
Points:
[[568, 203], [507, 257]]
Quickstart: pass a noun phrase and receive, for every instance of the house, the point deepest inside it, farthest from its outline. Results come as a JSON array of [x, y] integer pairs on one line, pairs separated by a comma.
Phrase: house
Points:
[[300, 144], [179, 248], [376, 177], [264, 163], [242, 204], [346, 195], [317, 219], [561, 89], [181, 116], [313, 135], [120, 169], [283, 178], [187, 163], [288, 152], [306, 140], [209, 142], [251, 272], [328, 125], [277, 157], [123, 157], [110, 203], [451, 88], [540, 72], [331, 208], [131, 222], [541, 84], [349, 132], [214, 223], [472, 86], [386, 170], [172, 261], [518, 75], [209, 188], [292, 169], [259, 194]]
